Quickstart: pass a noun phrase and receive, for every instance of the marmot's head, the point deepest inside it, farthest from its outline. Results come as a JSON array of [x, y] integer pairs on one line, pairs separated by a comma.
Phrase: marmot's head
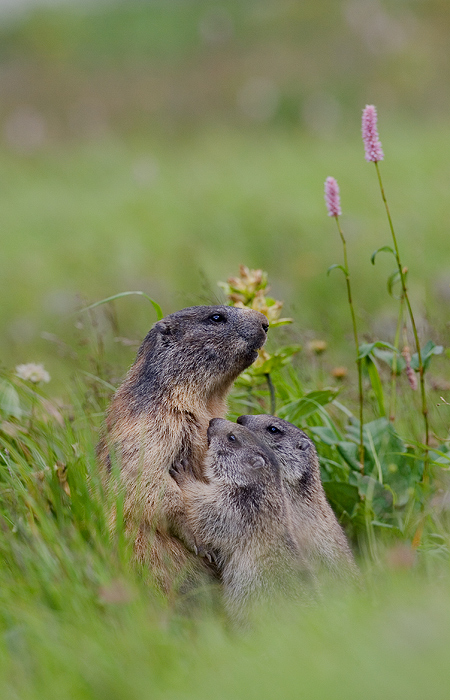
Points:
[[202, 347], [237, 457], [293, 448]]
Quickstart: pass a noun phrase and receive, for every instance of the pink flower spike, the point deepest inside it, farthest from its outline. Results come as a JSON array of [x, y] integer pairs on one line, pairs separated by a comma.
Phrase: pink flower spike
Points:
[[372, 143], [332, 198]]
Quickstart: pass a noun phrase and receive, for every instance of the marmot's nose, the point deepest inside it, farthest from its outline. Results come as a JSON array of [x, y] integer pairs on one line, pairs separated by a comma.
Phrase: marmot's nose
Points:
[[265, 325]]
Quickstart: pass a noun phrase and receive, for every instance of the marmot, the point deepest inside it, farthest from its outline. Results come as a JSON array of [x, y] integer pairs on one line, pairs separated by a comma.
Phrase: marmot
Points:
[[241, 515], [316, 529], [160, 414]]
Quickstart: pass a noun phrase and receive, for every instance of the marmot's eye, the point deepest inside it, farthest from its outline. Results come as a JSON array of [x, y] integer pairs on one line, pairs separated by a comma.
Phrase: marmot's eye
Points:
[[218, 318], [231, 437], [303, 444], [274, 430]]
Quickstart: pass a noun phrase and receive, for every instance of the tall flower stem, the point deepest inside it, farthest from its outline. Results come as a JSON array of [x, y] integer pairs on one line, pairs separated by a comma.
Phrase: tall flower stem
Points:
[[393, 397], [402, 274], [358, 359]]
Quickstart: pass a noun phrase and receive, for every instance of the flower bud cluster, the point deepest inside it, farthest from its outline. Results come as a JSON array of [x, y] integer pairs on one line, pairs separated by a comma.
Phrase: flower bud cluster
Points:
[[249, 290]]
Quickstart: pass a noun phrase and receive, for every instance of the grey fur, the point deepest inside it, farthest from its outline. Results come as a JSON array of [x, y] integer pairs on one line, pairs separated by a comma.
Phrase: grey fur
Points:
[[241, 515], [317, 532]]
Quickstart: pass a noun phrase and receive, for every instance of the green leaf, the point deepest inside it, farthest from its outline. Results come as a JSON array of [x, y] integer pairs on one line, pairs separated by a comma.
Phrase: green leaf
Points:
[[275, 361], [9, 400], [325, 434], [377, 428], [428, 350], [308, 404], [387, 356], [393, 279], [344, 497], [442, 461], [337, 267], [383, 249], [376, 494], [349, 452], [281, 322], [431, 348], [366, 348]]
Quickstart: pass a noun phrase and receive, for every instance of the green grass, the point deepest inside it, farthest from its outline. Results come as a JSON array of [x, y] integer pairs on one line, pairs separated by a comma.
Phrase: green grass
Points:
[[78, 621], [391, 644]]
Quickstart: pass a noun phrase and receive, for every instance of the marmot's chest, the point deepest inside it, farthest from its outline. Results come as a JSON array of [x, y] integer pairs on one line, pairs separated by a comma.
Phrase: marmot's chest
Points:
[[191, 441]]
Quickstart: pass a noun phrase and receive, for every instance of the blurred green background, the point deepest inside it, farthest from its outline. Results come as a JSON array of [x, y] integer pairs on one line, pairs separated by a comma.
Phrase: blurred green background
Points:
[[156, 145]]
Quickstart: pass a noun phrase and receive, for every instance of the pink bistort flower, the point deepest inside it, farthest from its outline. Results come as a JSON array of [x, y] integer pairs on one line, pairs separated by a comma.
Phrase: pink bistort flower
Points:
[[332, 198], [372, 143]]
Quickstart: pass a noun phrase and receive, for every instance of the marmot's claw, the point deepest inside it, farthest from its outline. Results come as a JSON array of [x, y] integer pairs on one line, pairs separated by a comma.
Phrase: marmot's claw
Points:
[[174, 473], [195, 550], [180, 468], [205, 554]]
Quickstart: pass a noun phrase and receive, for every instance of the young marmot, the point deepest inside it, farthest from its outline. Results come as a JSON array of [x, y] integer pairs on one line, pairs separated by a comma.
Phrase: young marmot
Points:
[[317, 532], [241, 515], [160, 414]]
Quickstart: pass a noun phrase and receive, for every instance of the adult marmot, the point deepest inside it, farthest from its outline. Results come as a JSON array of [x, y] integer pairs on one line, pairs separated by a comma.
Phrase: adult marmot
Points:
[[160, 414], [316, 530], [241, 515]]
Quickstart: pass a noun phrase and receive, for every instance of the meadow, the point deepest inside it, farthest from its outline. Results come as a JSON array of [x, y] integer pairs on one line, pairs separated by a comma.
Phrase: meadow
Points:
[[168, 202]]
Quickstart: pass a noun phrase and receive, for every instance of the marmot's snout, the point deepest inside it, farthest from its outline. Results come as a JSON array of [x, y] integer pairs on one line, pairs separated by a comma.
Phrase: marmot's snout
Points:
[[255, 328], [253, 331]]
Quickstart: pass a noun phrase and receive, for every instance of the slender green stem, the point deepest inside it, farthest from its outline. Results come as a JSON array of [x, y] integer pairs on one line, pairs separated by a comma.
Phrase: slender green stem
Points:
[[358, 359], [159, 313], [393, 397], [32, 412], [402, 274], [272, 394], [320, 371]]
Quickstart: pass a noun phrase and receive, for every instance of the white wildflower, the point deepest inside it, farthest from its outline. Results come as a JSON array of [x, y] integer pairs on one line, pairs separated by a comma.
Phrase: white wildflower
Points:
[[33, 373]]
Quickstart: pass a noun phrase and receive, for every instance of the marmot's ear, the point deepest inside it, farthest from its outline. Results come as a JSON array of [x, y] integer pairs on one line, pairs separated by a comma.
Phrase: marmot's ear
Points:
[[163, 327], [303, 444], [257, 462]]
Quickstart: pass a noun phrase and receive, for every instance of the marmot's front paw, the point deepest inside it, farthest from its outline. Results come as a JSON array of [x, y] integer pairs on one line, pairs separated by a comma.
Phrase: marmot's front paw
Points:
[[180, 470], [205, 553]]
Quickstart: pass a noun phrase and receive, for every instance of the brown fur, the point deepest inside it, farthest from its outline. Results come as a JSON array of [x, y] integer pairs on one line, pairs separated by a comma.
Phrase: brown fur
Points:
[[315, 528], [160, 414]]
